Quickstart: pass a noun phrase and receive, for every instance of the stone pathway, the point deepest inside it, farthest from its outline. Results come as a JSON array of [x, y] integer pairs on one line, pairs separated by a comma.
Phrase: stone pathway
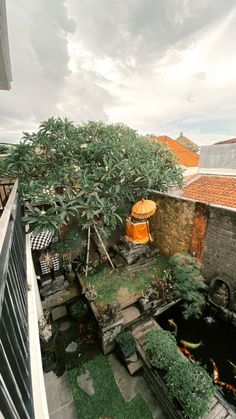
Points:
[[130, 386], [59, 397]]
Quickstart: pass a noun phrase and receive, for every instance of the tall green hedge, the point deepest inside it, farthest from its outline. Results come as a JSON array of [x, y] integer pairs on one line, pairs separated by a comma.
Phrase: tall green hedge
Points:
[[188, 382]]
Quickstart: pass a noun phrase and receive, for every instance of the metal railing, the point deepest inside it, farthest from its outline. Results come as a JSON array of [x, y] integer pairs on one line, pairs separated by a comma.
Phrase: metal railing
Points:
[[15, 378]]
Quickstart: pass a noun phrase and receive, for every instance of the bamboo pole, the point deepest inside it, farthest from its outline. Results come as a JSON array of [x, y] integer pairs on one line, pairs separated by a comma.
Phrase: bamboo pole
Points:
[[87, 256], [100, 239]]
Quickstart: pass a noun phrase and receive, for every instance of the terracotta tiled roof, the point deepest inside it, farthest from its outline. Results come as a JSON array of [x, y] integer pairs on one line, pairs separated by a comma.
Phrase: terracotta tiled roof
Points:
[[233, 140], [184, 156], [220, 190]]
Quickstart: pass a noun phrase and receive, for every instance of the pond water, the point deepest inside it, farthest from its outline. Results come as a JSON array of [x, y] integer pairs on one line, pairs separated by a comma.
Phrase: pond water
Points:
[[218, 344]]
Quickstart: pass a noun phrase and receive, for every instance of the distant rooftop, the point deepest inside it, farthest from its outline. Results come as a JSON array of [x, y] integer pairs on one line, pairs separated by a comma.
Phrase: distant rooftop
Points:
[[232, 141], [184, 156], [186, 142], [220, 190]]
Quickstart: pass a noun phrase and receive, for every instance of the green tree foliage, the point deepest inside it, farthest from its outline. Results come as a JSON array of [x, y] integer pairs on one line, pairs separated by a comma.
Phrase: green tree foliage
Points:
[[100, 167], [188, 284], [4, 149]]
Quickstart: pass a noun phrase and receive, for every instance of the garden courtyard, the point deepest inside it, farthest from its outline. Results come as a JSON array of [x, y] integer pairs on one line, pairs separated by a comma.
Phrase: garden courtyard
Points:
[[104, 353]]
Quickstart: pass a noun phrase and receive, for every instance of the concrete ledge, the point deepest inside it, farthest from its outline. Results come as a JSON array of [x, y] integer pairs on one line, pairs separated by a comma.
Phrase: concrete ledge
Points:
[[34, 312]]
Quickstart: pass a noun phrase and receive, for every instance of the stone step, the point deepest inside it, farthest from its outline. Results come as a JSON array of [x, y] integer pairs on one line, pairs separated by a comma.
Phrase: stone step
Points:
[[143, 327], [135, 366]]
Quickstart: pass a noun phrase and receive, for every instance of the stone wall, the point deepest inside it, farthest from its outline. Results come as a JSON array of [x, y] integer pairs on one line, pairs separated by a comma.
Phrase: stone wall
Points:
[[219, 253], [172, 224], [182, 225]]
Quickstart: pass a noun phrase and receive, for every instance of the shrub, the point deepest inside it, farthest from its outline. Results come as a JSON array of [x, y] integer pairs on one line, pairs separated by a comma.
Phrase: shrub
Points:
[[188, 284], [79, 309], [191, 385], [162, 348], [126, 343]]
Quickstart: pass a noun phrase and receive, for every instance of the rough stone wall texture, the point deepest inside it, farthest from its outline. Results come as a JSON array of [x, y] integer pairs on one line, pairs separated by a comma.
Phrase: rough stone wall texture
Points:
[[219, 253], [199, 229], [172, 224]]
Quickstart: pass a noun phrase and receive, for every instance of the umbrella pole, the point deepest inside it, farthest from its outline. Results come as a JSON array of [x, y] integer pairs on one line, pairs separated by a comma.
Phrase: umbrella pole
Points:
[[100, 239], [87, 255], [148, 231]]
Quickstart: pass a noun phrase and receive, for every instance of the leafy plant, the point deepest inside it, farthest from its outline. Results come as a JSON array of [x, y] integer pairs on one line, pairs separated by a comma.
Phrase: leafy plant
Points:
[[68, 242], [79, 309], [191, 385], [4, 149], [161, 347], [188, 284], [39, 220], [126, 343]]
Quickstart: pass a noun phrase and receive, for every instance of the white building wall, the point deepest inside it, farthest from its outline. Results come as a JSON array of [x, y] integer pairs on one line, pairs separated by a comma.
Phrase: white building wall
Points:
[[218, 159]]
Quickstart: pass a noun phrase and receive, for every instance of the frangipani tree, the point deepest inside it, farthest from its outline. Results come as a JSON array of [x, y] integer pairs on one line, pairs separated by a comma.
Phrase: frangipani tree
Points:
[[90, 171]]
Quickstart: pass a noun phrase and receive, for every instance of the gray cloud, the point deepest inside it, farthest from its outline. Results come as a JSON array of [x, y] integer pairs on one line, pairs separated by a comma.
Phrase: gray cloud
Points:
[[142, 29], [140, 39], [38, 34]]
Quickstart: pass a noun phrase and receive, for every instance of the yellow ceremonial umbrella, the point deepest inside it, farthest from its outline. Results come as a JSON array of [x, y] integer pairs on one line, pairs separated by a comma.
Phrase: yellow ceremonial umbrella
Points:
[[143, 209]]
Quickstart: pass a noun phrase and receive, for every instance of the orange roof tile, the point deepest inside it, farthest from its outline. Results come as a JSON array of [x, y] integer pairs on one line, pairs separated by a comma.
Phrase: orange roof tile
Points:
[[220, 190], [184, 156]]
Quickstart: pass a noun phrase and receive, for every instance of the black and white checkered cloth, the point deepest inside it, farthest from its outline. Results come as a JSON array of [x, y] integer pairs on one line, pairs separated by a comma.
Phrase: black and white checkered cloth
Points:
[[41, 240], [55, 263], [48, 263], [45, 268]]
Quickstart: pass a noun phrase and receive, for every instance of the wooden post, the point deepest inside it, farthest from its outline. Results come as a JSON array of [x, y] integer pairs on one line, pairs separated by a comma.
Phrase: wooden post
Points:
[[87, 256], [103, 246]]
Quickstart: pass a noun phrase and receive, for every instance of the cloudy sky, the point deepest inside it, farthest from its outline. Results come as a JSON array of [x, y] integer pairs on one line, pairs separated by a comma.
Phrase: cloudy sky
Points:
[[160, 66]]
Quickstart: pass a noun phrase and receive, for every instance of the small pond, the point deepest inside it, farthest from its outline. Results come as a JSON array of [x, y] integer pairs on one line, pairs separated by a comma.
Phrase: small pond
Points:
[[218, 343]]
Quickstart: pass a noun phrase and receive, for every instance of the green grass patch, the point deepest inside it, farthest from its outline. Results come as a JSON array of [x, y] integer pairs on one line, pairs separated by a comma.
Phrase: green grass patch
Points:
[[108, 281], [107, 400]]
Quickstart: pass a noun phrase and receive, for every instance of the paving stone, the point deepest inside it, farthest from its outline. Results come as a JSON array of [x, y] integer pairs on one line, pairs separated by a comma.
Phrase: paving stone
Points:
[[130, 386], [64, 326], [59, 397], [135, 366], [63, 388], [59, 312], [85, 382], [72, 347]]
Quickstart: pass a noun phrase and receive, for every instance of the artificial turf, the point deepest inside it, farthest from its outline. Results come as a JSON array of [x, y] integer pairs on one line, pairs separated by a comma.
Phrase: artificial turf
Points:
[[107, 402]]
